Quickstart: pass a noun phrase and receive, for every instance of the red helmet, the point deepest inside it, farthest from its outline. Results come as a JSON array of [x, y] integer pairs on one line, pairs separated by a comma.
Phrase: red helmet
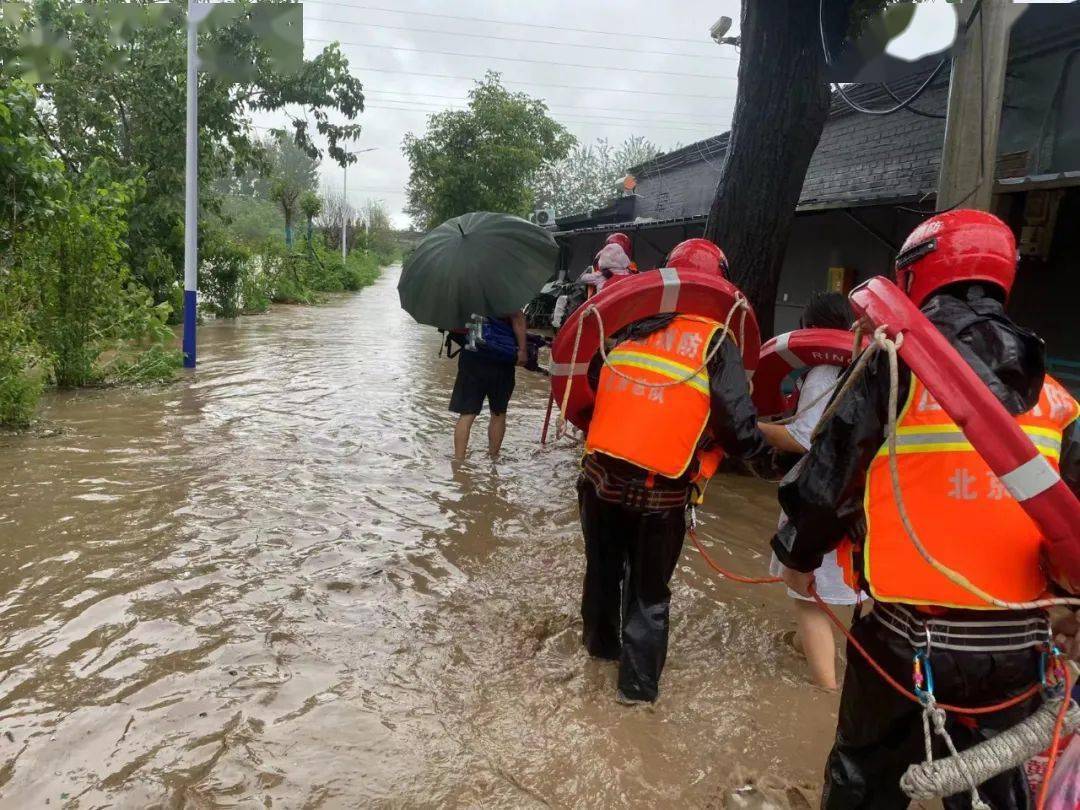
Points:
[[623, 241], [962, 245], [698, 254]]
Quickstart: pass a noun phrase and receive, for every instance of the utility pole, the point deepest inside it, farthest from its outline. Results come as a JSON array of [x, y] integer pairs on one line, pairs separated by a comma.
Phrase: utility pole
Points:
[[345, 198], [976, 90], [344, 209], [191, 190]]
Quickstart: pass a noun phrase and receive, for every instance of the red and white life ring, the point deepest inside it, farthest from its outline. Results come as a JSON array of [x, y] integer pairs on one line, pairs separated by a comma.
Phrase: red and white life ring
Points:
[[688, 292], [791, 351], [993, 433]]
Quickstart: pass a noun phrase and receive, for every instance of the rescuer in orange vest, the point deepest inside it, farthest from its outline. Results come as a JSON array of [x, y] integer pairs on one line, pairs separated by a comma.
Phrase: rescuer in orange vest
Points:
[[959, 268], [647, 448]]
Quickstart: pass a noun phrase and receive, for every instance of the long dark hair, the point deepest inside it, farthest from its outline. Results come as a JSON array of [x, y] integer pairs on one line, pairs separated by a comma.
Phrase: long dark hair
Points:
[[827, 310]]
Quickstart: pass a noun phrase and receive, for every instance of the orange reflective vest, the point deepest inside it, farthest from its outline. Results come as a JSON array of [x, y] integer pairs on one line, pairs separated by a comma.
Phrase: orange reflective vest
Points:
[[962, 512], [653, 402]]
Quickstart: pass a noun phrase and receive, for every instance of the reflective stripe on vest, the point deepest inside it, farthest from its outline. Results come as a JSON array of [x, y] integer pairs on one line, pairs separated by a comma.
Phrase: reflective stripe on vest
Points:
[[967, 517], [626, 359], [652, 404], [949, 438]]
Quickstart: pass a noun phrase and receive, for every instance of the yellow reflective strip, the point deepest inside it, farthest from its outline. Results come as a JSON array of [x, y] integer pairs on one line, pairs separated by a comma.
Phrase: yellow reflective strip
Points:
[[665, 368], [698, 383], [1033, 430], [954, 447], [680, 369], [946, 428]]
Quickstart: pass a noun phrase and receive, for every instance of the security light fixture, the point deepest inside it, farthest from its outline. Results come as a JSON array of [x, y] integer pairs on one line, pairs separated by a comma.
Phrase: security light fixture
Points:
[[718, 31]]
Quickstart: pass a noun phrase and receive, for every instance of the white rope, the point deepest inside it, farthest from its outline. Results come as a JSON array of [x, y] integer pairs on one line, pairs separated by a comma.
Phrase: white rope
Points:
[[929, 780], [936, 716]]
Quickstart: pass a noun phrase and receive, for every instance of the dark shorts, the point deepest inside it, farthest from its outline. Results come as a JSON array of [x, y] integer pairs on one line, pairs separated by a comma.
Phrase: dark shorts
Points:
[[478, 379]]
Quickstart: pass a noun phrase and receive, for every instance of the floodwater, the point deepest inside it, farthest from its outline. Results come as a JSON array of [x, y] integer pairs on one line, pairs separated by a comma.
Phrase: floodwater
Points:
[[267, 586]]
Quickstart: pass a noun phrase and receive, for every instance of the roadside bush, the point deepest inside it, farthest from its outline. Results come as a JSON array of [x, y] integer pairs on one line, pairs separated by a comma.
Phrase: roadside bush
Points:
[[223, 268], [144, 344], [78, 267], [20, 379], [361, 270], [255, 289]]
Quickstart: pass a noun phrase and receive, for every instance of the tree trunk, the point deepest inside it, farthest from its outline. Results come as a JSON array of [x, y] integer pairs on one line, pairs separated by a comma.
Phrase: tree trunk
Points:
[[780, 110]]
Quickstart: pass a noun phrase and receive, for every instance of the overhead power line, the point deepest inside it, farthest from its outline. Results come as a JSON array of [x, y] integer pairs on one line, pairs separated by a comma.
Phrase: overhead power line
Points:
[[634, 91], [412, 13], [592, 46], [545, 62], [657, 115], [611, 122]]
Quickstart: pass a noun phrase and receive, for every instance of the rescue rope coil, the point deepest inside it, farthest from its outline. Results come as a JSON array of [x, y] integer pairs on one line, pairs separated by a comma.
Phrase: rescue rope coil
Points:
[[1009, 749]]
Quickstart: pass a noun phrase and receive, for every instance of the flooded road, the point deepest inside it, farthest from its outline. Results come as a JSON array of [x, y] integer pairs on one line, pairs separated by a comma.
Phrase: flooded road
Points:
[[267, 586]]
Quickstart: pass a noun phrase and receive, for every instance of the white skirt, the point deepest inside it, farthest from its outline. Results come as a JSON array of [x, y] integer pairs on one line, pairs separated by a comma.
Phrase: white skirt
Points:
[[828, 582]]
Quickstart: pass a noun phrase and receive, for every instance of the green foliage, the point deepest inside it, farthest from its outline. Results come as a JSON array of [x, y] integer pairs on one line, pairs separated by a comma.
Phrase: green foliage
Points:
[[20, 372], [298, 276], [144, 347], [251, 220], [293, 175], [223, 267], [115, 94], [20, 386], [80, 273], [589, 176], [482, 158], [310, 205], [378, 236], [255, 289]]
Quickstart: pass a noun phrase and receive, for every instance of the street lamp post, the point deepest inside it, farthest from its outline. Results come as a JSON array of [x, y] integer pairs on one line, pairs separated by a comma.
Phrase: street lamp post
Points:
[[191, 191], [345, 201], [344, 211]]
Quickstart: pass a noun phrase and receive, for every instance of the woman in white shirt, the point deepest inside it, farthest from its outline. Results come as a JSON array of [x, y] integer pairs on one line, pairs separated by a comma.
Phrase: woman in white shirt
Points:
[[814, 629]]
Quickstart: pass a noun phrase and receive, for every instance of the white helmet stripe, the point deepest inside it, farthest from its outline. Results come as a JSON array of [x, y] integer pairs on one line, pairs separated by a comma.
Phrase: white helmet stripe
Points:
[[1030, 479]]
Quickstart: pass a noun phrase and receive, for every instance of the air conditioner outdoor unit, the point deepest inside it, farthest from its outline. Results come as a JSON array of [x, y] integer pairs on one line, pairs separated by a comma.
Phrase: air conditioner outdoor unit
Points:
[[544, 217]]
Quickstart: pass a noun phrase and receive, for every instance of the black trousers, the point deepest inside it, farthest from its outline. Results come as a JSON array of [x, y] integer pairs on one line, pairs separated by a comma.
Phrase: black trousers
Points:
[[630, 556], [880, 733]]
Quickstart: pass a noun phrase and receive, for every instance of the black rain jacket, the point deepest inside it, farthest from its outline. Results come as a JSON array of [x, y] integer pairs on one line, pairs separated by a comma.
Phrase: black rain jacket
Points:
[[825, 501]]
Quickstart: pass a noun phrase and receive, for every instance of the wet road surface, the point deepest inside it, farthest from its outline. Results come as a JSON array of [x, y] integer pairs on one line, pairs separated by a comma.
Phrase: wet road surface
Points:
[[267, 586]]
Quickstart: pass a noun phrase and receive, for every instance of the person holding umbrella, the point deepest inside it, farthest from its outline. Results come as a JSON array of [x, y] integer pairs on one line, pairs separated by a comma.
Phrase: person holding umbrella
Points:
[[488, 373], [480, 269]]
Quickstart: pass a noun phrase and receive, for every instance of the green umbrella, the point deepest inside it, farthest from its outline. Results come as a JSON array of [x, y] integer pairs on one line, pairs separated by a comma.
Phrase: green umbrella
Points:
[[479, 263]]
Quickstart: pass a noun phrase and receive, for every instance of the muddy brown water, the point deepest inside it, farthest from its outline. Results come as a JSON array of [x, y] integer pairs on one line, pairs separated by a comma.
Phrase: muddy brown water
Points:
[[267, 586]]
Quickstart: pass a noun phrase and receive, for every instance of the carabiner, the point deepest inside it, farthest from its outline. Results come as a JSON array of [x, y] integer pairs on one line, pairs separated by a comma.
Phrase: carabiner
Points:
[[923, 676], [1050, 665]]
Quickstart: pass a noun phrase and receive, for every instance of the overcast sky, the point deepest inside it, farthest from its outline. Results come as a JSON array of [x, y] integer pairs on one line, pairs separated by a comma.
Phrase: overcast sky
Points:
[[653, 72]]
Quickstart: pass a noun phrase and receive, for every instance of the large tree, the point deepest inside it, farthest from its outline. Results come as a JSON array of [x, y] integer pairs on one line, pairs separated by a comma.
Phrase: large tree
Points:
[[482, 158], [292, 174], [780, 110], [589, 176]]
